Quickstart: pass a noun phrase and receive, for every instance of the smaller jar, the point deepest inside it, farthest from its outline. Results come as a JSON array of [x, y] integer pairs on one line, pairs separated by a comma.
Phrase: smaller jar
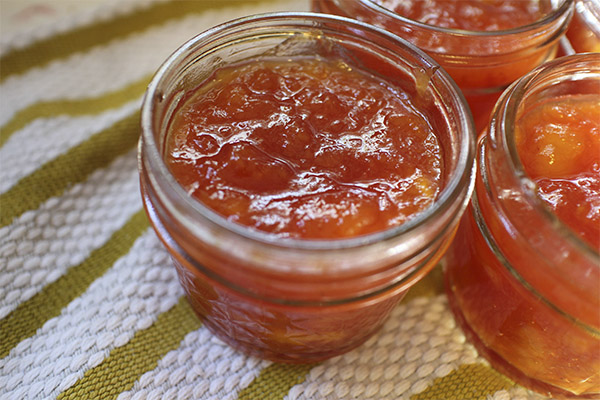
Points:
[[523, 283], [286, 299], [584, 31], [482, 63]]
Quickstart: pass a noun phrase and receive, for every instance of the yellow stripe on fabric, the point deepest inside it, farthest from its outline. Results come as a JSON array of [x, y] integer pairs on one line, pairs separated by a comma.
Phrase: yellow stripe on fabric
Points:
[[48, 303], [72, 167], [275, 381], [468, 382], [62, 45], [73, 108], [127, 363]]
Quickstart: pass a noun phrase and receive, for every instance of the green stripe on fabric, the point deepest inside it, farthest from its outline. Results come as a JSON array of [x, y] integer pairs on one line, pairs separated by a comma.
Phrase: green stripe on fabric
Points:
[[468, 382], [127, 363], [72, 167], [73, 108], [275, 381], [48, 303], [62, 45]]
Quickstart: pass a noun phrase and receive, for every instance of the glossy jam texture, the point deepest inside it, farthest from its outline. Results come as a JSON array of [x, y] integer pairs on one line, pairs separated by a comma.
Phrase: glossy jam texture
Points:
[[471, 15], [305, 148], [558, 142]]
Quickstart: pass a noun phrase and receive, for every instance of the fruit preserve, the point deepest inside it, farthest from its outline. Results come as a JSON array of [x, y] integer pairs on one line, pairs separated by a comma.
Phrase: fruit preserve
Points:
[[305, 148], [470, 15], [483, 44], [523, 275], [584, 31], [303, 171]]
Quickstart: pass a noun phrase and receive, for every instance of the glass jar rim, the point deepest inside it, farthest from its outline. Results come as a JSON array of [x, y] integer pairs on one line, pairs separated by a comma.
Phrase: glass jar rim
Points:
[[464, 168], [590, 14], [546, 19], [505, 118]]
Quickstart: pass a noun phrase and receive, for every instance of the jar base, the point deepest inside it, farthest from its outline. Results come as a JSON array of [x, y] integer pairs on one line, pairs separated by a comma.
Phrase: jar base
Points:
[[304, 357], [499, 363]]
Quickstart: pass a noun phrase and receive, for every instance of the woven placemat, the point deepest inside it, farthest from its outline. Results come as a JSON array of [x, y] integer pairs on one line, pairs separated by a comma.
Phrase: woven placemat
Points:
[[90, 307]]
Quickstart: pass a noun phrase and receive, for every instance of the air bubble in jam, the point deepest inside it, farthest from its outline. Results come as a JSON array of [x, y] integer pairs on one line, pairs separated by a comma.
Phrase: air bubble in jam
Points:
[[305, 148]]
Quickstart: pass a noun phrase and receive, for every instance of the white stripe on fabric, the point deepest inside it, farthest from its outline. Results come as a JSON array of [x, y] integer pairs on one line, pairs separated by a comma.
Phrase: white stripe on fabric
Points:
[[202, 367], [44, 139], [42, 244], [95, 71], [29, 23], [419, 343], [128, 298]]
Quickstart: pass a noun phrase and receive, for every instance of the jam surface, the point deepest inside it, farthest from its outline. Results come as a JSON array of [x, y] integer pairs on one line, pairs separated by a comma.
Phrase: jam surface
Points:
[[305, 148], [558, 142], [472, 15]]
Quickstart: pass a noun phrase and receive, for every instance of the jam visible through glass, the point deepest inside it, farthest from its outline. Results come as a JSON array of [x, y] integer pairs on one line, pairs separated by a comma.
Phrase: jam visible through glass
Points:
[[552, 321], [584, 29], [305, 148], [505, 39], [558, 142]]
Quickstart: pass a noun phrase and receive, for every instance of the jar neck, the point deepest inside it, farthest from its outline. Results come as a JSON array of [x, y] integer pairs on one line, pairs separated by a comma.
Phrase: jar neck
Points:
[[528, 236], [509, 197], [502, 172], [440, 41], [589, 12]]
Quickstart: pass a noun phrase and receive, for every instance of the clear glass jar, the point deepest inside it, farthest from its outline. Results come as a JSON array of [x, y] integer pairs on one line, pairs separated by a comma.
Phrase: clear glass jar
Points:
[[483, 64], [584, 31], [524, 287], [296, 300]]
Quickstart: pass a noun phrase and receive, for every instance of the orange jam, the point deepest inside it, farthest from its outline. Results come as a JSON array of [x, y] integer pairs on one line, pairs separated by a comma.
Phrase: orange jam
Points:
[[523, 275], [484, 45], [300, 148], [584, 30], [305, 148], [303, 171], [470, 15], [559, 144]]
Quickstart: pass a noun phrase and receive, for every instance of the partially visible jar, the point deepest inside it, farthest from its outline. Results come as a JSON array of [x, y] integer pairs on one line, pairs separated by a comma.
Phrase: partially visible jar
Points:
[[294, 300], [584, 31], [524, 283], [482, 63]]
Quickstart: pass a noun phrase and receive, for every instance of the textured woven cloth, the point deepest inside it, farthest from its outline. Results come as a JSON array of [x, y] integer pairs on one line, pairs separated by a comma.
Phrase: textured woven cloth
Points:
[[90, 307]]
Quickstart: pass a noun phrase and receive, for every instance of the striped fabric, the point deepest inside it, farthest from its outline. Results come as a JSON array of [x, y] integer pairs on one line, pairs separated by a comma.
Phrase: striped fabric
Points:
[[89, 306]]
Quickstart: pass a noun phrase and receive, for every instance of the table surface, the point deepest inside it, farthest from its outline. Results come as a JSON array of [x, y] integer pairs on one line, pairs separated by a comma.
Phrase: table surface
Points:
[[89, 304]]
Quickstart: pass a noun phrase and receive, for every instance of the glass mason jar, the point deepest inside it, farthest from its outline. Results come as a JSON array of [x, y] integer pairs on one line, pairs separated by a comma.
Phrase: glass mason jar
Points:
[[296, 300], [482, 63], [584, 31], [524, 286]]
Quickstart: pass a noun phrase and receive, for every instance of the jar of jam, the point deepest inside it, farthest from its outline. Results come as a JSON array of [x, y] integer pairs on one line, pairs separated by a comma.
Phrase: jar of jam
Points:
[[523, 275], [303, 171], [484, 45], [584, 31]]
